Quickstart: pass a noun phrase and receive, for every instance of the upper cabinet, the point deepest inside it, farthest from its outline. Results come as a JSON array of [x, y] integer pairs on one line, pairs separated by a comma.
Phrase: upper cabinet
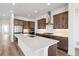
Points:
[[26, 25], [42, 23], [29, 24], [60, 21], [18, 22]]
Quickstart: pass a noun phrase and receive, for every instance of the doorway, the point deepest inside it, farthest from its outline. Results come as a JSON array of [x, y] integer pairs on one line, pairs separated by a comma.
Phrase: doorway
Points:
[[5, 29]]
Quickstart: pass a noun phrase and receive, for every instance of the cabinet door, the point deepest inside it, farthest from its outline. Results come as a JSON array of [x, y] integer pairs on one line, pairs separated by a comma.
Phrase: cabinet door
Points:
[[39, 24], [42, 23], [65, 21], [63, 42], [31, 25], [15, 22], [56, 22], [18, 22], [60, 21], [26, 25]]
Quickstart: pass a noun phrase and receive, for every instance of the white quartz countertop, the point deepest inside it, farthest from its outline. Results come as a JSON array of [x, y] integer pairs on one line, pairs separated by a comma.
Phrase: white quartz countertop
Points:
[[37, 42]]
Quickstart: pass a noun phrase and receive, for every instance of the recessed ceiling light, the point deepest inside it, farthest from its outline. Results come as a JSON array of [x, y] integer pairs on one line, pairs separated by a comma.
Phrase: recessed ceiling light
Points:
[[13, 3], [3, 15], [48, 4], [11, 11], [35, 11]]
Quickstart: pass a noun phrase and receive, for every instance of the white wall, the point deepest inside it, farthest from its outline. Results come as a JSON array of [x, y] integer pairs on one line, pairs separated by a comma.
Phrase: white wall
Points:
[[76, 27], [4, 21], [49, 28], [73, 27], [0, 29], [23, 18]]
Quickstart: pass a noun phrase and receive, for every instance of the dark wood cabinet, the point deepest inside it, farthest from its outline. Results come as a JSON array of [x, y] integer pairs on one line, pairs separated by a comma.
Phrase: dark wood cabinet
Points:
[[42, 23], [63, 42], [52, 50], [18, 22], [29, 25], [60, 21], [26, 25]]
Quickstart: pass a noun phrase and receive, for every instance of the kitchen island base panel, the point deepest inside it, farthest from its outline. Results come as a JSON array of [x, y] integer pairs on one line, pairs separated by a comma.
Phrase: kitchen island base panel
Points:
[[52, 50]]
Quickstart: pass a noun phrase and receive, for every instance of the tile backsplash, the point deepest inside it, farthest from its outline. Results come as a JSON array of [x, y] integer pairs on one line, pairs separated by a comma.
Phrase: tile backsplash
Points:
[[26, 31], [41, 31], [55, 31], [61, 31]]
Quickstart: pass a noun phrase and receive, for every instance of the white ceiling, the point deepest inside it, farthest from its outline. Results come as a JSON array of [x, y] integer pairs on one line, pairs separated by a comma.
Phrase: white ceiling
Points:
[[5, 10], [27, 9]]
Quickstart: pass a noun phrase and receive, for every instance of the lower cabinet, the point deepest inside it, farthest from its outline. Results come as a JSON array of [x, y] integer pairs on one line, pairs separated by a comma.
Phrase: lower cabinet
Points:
[[63, 44], [63, 41]]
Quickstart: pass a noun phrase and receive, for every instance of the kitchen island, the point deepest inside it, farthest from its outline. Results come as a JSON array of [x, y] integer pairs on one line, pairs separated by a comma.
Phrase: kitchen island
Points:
[[63, 39], [35, 45]]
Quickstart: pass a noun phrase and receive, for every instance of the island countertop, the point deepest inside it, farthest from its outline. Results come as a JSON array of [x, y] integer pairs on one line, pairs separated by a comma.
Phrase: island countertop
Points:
[[35, 43]]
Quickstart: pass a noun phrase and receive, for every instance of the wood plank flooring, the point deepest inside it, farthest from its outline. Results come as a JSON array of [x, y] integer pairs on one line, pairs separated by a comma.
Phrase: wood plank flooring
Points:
[[8, 48], [61, 53], [77, 51]]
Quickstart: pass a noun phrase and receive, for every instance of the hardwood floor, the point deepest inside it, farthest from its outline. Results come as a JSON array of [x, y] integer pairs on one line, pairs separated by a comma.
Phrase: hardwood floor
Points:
[[61, 53], [8, 48], [77, 51]]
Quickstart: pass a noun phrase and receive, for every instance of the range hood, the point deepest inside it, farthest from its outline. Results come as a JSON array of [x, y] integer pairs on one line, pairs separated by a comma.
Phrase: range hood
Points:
[[50, 21]]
